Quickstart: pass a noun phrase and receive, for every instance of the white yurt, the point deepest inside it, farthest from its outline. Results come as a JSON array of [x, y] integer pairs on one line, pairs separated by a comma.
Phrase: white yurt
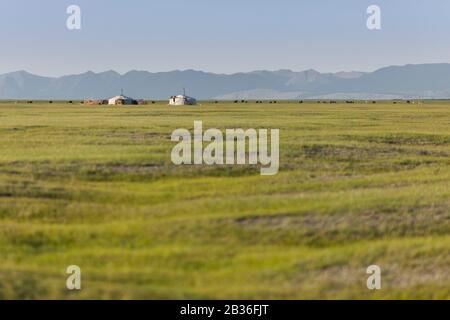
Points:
[[182, 100], [121, 100]]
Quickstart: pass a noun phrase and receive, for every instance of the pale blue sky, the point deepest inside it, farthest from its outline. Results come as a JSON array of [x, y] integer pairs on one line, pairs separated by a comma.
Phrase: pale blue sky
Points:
[[220, 35]]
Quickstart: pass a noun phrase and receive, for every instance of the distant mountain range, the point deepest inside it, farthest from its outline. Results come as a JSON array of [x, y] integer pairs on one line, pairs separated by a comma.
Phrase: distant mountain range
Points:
[[395, 82]]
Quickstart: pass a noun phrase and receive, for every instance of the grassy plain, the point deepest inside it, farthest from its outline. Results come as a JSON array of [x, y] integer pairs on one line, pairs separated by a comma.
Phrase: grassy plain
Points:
[[359, 184]]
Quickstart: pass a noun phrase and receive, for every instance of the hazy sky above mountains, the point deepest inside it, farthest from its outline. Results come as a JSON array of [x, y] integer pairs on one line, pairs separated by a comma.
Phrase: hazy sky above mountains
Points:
[[220, 36]]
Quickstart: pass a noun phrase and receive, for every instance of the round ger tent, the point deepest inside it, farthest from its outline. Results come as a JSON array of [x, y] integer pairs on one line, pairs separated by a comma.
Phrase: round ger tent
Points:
[[182, 100], [121, 100]]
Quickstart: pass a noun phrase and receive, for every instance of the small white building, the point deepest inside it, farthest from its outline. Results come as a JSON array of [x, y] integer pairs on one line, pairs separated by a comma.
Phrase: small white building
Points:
[[121, 100], [182, 100]]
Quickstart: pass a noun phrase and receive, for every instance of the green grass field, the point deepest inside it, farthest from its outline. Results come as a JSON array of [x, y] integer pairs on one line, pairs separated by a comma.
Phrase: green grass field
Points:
[[359, 184]]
